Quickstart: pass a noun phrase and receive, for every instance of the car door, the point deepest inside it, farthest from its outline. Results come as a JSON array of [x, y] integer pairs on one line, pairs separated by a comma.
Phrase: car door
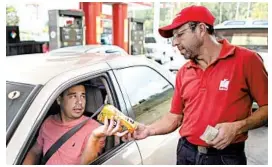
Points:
[[123, 153], [36, 108], [148, 96]]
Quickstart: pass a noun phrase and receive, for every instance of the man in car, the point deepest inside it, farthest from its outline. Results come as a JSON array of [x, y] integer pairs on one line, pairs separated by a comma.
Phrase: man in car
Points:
[[84, 146], [216, 87]]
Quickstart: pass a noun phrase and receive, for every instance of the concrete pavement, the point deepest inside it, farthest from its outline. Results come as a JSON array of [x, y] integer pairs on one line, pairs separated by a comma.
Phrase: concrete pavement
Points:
[[257, 146]]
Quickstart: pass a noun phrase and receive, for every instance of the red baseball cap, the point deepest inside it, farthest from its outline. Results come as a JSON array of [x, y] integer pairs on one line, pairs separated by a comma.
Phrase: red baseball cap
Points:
[[191, 13]]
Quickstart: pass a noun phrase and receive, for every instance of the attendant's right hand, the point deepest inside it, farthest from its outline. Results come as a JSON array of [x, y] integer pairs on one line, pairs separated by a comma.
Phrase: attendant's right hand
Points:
[[141, 132]]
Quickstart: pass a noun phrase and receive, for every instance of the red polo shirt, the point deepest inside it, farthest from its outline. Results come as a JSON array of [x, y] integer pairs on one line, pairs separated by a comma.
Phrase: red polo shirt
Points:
[[224, 92]]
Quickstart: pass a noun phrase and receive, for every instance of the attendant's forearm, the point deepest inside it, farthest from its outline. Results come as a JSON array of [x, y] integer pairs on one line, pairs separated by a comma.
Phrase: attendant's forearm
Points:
[[169, 123], [256, 120]]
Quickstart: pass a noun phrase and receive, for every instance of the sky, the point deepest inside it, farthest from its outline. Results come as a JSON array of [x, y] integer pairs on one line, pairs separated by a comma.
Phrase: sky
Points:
[[33, 19], [38, 17]]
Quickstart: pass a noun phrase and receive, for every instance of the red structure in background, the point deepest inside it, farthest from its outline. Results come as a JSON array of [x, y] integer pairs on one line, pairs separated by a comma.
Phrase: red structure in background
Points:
[[45, 48], [120, 25], [93, 12]]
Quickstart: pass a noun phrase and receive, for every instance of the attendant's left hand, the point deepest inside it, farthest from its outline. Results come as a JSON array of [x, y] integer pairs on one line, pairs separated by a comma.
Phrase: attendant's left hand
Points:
[[226, 134]]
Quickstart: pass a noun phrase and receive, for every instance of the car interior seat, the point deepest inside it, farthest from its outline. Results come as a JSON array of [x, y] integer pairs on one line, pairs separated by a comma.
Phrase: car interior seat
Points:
[[94, 100], [54, 109]]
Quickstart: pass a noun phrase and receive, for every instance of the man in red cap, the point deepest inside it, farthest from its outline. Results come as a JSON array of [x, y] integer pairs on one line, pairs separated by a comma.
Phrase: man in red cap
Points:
[[215, 88]]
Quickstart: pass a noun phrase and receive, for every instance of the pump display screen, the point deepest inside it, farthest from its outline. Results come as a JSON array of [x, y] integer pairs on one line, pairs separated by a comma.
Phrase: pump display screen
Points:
[[73, 22]]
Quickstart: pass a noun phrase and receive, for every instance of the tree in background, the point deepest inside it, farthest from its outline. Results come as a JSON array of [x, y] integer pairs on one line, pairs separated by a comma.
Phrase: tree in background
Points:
[[46, 27], [12, 18], [147, 16], [228, 11], [165, 16], [259, 10], [222, 11], [214, 8]]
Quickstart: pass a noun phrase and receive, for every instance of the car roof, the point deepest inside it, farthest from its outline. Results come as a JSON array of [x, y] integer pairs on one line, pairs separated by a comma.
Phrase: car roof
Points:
[[40, 68], [80, 49], [242, 24]]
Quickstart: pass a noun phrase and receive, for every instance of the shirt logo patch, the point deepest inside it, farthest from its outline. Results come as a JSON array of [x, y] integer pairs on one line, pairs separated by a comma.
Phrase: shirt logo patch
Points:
[[224, 85]]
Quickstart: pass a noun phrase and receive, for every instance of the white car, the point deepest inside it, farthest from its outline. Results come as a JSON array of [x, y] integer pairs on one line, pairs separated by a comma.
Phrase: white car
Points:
[[176, 64], [157, 50], [138, 87]]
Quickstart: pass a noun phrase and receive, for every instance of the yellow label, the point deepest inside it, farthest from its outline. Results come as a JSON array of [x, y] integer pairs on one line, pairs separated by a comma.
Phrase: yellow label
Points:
[[110, 111]]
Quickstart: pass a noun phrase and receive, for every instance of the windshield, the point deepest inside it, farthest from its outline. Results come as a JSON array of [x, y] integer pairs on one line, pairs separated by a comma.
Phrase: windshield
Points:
[[254, 39], [16, 95]]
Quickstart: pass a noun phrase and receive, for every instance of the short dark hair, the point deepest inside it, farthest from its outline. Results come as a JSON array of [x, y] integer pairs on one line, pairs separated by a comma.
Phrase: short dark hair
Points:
[[193, 25], [79, 84]]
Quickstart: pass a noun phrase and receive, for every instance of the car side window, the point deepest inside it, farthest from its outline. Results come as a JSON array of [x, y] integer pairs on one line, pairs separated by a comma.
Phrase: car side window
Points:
[[16, 96], [149, 93]]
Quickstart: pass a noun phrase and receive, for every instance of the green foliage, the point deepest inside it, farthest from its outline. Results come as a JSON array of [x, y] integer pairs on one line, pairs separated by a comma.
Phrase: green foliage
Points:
[[11, 16], [228, 11], [214, 8], [257, 10]]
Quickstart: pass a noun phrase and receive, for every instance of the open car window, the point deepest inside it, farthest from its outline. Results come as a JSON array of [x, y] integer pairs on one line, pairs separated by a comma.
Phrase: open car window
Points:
[[97, 94]]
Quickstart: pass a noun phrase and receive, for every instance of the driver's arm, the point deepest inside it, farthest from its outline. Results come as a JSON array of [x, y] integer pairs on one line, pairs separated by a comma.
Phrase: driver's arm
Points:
[[92, 149], [33, 156]]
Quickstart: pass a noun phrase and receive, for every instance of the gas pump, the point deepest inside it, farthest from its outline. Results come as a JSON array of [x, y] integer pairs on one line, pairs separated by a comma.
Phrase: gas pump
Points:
[[136, 36], [66, 28]]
